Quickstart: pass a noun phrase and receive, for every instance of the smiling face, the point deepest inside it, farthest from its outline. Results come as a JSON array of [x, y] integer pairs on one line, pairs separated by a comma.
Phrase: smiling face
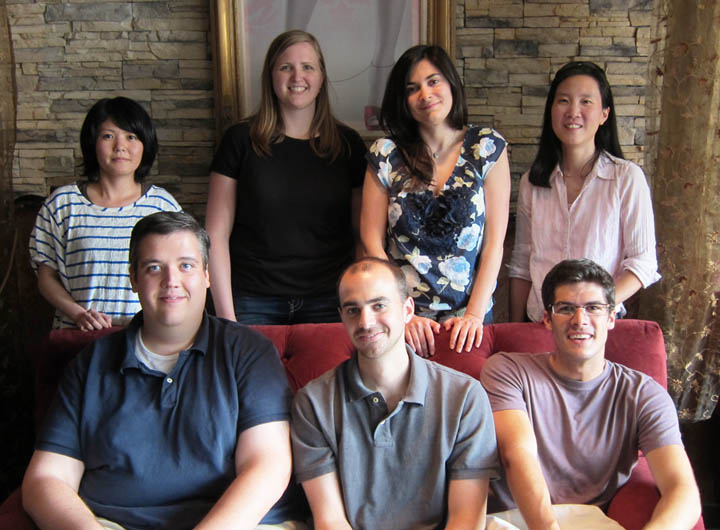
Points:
[[373, 312], [119, 152], [297, 77], [429, 96], [577, 111], [170, 280], [579, 339]]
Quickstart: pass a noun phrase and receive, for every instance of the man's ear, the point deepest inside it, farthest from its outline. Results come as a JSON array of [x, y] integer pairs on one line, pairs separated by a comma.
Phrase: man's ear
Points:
[[409, 308], [207, 277], [133, 280], [547, 320], [612, 317]]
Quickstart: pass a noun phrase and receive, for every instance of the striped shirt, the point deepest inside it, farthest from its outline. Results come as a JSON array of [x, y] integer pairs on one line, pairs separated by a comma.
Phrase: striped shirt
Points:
[[88, 245]]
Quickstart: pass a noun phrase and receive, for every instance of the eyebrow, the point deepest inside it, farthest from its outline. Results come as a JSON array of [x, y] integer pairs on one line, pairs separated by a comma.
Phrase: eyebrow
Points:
[[352, 303]]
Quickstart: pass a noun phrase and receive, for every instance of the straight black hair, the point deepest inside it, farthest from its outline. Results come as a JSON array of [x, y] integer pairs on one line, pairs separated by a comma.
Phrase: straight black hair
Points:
[[550, 149], [129, 116]]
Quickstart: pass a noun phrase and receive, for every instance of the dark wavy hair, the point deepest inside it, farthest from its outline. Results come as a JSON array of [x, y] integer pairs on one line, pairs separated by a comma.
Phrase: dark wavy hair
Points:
[[395, 115], [164, 223], [576, 271], [129, 116], [550, 148]]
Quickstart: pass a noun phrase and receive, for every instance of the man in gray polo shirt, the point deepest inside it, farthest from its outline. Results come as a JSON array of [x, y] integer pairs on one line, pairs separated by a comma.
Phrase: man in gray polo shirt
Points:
[[388, 439]]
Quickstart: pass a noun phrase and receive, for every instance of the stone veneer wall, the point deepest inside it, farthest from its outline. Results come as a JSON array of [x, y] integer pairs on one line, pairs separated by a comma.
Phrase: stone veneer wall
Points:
[[70, 54]]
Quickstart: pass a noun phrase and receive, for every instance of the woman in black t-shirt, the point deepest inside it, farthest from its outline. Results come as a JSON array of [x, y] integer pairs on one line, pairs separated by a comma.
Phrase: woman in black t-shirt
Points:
[[284, 199]]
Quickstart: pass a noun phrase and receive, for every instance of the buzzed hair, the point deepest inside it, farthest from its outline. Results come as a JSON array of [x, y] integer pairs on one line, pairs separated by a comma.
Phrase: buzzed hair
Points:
[[576, 271], [367, 263]]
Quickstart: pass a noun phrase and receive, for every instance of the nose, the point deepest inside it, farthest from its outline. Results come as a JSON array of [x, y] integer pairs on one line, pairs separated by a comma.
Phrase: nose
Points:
[[120, 143], [579, 317], [367, 318], [170, 277], [573, 108], [424, 92]]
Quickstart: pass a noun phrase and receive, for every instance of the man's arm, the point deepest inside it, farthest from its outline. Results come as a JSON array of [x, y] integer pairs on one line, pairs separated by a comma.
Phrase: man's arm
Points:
[[326, 503], [262, 467], [518, 453], [49, 492], [679, 506], [467, 504]]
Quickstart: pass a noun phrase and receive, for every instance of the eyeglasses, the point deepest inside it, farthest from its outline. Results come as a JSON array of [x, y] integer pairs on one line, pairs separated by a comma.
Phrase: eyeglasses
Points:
[[567, 309]]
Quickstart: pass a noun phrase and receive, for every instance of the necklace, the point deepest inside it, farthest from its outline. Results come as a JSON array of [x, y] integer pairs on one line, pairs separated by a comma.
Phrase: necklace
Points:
[[436, 155]]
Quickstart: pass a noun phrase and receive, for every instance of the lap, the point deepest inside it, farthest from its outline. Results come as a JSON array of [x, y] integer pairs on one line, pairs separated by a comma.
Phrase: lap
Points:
[[569, 517]]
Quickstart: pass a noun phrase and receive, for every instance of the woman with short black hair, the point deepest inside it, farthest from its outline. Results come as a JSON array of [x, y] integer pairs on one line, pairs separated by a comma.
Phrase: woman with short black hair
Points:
[[79, 246]]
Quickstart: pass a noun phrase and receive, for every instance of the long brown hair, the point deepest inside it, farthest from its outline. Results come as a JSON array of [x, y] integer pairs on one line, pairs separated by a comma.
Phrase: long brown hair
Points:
[[266, 124]]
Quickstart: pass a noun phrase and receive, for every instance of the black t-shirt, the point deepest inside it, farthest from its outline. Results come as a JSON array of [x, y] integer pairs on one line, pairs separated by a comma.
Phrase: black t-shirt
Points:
[[292, 234]]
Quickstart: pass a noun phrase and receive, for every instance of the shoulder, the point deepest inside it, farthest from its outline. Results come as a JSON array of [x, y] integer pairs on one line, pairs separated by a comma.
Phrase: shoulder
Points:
[[324, 385], [239, 336], [611, 166], [634, 381], [63, 195], [164, 197], [505, 368], [484, 143], [382, 147]]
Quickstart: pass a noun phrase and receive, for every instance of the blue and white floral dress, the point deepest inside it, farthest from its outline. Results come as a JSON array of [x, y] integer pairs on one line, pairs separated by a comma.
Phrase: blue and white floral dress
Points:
[[437, 240]]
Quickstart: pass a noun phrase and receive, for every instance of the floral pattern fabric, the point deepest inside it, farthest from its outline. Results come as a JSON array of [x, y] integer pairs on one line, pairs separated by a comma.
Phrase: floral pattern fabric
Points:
[[437, 239]]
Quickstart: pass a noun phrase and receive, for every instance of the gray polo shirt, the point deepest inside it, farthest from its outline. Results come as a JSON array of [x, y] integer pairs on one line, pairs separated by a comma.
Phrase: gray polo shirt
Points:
[[394, 468]]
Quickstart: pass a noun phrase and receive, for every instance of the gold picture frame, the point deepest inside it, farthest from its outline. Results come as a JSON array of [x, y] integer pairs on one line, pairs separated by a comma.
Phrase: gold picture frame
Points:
[[227, 24]]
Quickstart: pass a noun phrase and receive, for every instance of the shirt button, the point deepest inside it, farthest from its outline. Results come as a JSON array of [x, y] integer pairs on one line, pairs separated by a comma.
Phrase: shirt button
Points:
[[169, 379], [375, 400]]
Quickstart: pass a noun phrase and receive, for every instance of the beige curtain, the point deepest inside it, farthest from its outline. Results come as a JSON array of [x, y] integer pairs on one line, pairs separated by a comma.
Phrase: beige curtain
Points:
[[684, 166]]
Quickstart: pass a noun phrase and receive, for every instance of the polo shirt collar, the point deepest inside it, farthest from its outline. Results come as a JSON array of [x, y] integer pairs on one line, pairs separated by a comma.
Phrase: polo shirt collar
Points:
[[417, 386], [130, 360]]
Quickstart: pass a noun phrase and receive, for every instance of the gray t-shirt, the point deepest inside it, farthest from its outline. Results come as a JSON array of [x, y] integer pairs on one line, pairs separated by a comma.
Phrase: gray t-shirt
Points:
[[588, 432], [394, 468]]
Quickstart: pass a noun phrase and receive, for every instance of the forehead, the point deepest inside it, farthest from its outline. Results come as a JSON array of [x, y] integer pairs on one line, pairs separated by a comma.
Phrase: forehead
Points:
[[372, 283], [303, 51], [422, 70], [164, 246], [580, 293], [579, 84], [109, 124]]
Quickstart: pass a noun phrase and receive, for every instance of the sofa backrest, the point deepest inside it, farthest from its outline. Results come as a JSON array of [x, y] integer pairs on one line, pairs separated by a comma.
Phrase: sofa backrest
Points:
[[309, 350]]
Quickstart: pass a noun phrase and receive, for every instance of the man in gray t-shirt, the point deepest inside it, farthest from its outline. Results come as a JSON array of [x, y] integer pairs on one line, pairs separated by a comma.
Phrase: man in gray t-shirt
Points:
[[570, 424], [388, 439]]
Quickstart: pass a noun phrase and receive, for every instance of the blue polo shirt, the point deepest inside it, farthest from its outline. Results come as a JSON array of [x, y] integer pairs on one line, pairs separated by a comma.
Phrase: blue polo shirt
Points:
[[159, 449]]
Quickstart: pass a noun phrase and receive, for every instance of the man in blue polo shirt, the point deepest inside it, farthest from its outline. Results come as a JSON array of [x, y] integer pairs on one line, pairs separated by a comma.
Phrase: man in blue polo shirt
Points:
[[178, 421], [389, 440]]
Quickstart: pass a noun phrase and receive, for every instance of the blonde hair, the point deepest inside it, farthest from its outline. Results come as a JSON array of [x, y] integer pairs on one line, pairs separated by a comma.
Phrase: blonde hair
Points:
[[266, 124]]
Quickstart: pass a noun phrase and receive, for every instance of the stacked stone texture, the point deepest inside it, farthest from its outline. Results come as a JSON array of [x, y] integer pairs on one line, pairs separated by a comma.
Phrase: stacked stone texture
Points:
[[509, 50], [70, 54]]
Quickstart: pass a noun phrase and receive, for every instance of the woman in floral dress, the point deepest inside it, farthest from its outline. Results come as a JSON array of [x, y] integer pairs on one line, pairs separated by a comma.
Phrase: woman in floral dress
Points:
[[436, 199]]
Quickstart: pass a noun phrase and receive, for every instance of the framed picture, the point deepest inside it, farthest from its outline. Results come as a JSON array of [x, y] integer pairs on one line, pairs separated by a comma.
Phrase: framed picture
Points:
[[360, 39]]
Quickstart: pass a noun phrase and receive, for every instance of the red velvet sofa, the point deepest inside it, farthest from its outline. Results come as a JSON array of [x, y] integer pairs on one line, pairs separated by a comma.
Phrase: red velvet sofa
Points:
[[309, 350]]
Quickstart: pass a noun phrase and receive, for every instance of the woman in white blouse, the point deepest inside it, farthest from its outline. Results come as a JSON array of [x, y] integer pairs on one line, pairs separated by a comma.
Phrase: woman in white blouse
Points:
[[581, 198]]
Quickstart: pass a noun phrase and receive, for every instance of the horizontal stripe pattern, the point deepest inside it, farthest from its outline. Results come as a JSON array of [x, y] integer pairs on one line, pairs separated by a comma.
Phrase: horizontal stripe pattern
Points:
[[88, 246]]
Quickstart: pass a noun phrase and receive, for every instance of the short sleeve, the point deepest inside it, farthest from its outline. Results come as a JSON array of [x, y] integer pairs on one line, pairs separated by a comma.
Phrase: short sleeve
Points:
[[657, 418], [358, 160], [233, 148], [503, 383], [381, 158], [60, 432], [263, 391], [312, 454], [475, 451], [46, 244]]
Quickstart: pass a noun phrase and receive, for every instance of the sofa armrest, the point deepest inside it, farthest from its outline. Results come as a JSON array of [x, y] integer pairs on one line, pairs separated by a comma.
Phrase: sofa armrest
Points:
[[634, 503], [12, 514]]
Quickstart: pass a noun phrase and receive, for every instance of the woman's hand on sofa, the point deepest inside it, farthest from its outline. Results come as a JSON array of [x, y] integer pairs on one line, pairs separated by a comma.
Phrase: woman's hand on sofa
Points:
[[420, 335], [466, 332]]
